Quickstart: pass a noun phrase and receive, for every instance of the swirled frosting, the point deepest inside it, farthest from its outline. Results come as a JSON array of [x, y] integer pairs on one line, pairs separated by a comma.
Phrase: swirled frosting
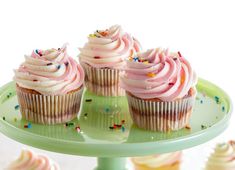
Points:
[[157, 73], [155, 161], [108, 48], [223, 158], [50, 72], [30, 161]]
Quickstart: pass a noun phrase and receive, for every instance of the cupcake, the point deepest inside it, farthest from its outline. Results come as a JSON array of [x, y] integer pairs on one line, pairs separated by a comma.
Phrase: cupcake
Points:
[[49, 86], [223, 157], [31, 161], [103, 57], [168, 161], [160, 88]]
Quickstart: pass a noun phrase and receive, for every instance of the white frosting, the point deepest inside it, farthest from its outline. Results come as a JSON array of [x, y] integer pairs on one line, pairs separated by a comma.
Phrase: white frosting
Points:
[[223, 158], [155, 161]]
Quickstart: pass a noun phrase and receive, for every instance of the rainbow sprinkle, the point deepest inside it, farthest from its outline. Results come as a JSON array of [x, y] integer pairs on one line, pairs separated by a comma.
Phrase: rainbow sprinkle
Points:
[[151, 74]]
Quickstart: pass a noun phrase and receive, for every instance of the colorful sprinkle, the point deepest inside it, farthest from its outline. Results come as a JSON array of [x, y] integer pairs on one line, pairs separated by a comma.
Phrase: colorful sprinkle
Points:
[[66, 64], [49, 64], [9, 95], [88, 100], [58, 49], [17, 107], [171, 84], [182, 80], [106, 109], [151, 74], [58, 67], [223, 108], [86, 114], [123, 129], [217, 99], [78, 129], [136, 59], [123, 121], [111, 127], [25, 126], [188, 127], [203, 127], [201, 101], [15, 119], [97, 57], [92, 35], [35, 80], [3, 118], [29, 125], [179, 54], [146, 62]]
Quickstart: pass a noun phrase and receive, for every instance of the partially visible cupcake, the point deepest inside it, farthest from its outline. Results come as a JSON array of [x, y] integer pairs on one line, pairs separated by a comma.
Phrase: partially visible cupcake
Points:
[[223, 157], [102, 58], [160, 88], [31, 161], [49, 86], [168, 161]]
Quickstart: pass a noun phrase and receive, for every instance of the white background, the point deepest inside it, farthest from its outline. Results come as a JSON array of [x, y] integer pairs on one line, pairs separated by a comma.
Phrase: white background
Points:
[[202, 30]]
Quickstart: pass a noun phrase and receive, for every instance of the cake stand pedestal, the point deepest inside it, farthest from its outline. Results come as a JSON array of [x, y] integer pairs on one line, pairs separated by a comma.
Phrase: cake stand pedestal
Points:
[[107, 132]]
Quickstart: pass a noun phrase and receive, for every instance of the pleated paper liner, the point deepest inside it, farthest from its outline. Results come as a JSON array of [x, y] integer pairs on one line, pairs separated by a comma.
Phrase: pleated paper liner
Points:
[[160, 115], [101, 90], [101, 76], [43, 109]]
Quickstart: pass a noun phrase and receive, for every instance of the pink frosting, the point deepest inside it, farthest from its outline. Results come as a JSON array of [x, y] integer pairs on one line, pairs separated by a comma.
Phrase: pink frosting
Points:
[[108, 48], [50, 72], [160, 74], [29, 160]]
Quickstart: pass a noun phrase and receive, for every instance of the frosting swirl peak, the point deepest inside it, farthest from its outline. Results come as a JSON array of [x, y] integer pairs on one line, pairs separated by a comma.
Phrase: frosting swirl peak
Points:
[[108, 48], [50, 72], [30, 161], [157, 73], [223, 158]]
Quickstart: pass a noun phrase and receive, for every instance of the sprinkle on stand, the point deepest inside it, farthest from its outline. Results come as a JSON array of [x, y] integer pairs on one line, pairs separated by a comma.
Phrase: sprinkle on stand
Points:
[[78, 129], [203, 127], [151, 74], [88, 100], [188, 127], [223, 108], [17, 107], [217, 100]]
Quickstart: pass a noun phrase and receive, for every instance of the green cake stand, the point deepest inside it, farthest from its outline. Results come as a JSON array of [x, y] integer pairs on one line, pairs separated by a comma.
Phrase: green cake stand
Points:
[[104, 128]]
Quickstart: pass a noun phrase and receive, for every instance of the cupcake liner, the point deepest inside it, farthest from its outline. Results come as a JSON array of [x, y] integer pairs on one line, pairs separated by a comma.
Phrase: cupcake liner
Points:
[[160, 115], [103, 81], [101, 76], [100, 90], [43, 109]]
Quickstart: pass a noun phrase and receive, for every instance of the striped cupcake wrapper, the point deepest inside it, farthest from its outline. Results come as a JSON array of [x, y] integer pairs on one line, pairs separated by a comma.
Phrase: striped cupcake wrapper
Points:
[[49, 109], [103, 81], [160, 115]]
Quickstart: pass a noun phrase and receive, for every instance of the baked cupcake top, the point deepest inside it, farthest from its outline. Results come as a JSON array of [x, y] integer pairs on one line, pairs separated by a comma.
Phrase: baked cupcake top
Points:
[[50, 72], [223, 157], [155, 161], [108, 48], [30, 161], [158, 73]]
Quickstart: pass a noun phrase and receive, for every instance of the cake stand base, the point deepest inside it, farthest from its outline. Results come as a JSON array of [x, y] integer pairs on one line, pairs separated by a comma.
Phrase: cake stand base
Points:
[[111, 164]]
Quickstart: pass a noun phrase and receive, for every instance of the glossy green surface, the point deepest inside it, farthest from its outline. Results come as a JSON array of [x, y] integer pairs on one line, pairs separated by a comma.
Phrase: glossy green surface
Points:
[[209, 119]]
